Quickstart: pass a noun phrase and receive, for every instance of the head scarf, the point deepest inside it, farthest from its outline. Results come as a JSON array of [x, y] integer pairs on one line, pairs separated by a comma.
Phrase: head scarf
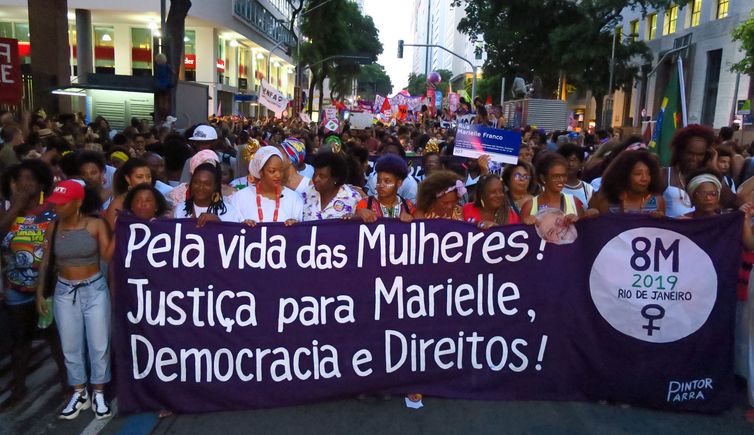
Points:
[[203, 156], [701, 179], [120, 155], [260, 159], [295, 150]]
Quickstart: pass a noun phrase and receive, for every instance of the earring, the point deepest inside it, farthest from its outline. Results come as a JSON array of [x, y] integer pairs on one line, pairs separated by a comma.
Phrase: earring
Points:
[[216, 197], [41, 198], [482, 201]]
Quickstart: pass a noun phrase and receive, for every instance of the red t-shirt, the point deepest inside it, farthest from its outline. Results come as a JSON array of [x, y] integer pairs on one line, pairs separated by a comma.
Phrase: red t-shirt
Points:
[[471, 214]]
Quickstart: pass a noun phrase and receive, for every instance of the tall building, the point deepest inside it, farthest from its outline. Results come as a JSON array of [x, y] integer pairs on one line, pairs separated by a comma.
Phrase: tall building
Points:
[[230, 47], [442, 28], [711, 90]]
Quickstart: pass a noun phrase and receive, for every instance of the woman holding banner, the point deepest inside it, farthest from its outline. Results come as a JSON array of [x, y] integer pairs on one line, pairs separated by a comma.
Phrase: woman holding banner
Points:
[[329, 197], [520, 184], [268, 200], [704, 190], [81, 302], [552, 170], [438, 197], [691, 150], [205, 199], [390, 171], [491, 207], [631, 184]]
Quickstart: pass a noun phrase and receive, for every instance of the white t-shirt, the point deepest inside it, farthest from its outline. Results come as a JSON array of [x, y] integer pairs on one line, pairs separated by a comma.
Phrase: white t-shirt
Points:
[[230, 215], [303, 186], [291, 205], [109, 174], [308, 171]]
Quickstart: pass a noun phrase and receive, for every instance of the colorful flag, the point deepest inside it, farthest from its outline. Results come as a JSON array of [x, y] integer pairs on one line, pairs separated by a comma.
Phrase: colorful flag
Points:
[[385, 106], [668, 120]]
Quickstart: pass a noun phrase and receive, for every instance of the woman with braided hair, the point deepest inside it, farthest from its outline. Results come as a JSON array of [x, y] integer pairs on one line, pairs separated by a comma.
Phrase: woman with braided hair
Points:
[[204, 200]]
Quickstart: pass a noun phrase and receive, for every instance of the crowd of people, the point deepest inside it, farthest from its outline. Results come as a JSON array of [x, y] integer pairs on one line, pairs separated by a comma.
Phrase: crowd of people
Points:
[[65, 183]]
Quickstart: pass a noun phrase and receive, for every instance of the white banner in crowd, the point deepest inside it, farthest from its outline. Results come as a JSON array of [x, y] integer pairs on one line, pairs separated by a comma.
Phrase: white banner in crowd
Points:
[[272, 99], [361, 120]]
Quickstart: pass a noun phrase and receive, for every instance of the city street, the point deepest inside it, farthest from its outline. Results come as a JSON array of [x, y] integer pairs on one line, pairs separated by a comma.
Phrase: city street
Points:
[[38, 415]]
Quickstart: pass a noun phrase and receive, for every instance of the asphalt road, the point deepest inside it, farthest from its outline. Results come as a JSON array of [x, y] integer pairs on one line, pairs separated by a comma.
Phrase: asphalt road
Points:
[[38, 415]]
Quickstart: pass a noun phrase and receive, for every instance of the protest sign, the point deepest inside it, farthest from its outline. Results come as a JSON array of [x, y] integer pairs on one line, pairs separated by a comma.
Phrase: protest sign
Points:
[[360, 121], [10, 72], [226, 317], [304, 117], [453, 102], [272, 99], [476, 140], [331, 113], [465, 119]]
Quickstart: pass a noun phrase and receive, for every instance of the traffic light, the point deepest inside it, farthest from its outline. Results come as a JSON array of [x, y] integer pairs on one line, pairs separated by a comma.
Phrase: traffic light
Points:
[[400, 49]]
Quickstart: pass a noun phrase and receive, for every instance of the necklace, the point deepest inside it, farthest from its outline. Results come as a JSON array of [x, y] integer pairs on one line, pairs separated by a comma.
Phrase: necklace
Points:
[[259, 206]]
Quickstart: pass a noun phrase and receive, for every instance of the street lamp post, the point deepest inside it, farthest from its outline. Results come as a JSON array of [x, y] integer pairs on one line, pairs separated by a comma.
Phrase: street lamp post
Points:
[[473, 67]]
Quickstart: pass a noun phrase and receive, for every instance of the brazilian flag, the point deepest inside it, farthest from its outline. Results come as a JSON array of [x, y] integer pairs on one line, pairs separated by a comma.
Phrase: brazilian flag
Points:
[[668, 120]]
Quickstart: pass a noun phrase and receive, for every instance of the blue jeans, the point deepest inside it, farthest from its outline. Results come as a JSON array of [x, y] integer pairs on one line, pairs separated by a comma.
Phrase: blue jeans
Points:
[[82, 312]]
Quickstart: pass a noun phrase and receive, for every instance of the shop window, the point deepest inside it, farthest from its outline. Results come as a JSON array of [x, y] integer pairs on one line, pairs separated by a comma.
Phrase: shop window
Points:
[[189, 59], [104, 50], [21, 32], [6, 30], [141, 52]]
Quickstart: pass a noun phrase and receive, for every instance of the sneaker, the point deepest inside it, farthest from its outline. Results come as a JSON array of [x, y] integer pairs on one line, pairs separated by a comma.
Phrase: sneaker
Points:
[[79, 400], [101, 407]]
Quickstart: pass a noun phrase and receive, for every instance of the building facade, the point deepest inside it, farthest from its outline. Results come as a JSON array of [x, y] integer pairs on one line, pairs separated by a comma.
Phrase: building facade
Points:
[[711, 88], [442, 28], [230, 45]]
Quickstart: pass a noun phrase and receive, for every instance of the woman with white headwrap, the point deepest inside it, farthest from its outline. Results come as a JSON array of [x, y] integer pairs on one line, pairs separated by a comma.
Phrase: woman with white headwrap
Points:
[[268, 200], [704, 191]]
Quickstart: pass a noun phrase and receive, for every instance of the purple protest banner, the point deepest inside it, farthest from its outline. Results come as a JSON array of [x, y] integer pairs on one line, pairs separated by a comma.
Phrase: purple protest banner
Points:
[[227, 317]]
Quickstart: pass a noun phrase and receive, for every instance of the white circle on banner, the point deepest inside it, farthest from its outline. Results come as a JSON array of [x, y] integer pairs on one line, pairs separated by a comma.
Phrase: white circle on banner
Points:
[[653, 284]]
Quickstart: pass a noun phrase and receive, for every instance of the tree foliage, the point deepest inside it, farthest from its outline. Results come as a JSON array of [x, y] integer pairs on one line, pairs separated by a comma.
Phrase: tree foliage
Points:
[[373, 78], [336, 28], [417, 83], [545, 38], [744, 34]]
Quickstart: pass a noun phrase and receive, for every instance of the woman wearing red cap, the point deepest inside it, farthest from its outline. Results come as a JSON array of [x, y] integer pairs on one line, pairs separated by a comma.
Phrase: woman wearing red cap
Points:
[[81, 303]]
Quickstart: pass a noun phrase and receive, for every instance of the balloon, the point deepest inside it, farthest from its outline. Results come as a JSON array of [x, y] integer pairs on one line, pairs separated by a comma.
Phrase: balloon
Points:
[[434, 77]]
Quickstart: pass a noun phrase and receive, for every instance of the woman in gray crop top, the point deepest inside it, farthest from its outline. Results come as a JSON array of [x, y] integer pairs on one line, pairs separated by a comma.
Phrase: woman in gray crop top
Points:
[[81, 303]]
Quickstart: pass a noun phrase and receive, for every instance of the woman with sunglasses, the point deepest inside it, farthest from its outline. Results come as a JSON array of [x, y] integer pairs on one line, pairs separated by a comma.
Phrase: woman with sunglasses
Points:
[[553, 173], [520, 184]]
